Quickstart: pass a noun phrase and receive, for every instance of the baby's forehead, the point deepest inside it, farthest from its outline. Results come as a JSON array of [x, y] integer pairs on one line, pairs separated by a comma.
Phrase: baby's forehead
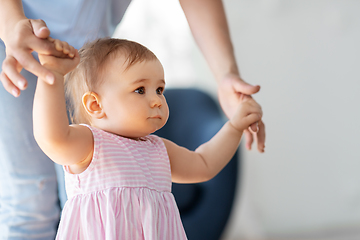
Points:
[[125, 61], [122, 65], [118, 63]]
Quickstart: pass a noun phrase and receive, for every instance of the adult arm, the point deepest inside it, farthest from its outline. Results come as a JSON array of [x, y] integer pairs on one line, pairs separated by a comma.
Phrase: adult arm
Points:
[[208, 24], [22, 36]]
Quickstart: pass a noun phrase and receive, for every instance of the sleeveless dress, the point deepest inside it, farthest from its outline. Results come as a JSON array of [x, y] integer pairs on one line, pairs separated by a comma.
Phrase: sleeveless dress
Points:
[[25, 169], [125, 193]]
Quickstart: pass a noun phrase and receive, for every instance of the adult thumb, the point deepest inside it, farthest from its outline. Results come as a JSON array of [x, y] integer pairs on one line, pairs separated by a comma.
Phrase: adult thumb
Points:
[[245, 88], [39, 28]]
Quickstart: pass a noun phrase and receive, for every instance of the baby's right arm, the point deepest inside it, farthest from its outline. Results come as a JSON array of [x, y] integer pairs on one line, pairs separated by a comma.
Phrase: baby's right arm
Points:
[[64, 144]]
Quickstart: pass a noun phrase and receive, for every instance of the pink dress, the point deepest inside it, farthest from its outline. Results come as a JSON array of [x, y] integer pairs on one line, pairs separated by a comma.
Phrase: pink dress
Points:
[[125, 193]]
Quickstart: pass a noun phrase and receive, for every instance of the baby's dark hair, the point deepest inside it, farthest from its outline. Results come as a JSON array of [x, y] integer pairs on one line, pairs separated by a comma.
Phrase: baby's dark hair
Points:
[[89, 74]]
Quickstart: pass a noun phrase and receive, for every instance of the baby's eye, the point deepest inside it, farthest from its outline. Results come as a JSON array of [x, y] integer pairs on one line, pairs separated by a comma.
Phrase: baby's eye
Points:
[[160, 90], [140, 90]]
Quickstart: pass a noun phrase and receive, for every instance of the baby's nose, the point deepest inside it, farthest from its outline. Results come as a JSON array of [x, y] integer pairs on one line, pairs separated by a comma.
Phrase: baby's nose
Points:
[[156, 101]]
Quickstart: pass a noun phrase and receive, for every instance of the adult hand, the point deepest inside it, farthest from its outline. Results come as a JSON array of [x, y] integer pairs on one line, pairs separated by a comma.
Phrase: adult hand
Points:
[[231, 90], [21, 40]]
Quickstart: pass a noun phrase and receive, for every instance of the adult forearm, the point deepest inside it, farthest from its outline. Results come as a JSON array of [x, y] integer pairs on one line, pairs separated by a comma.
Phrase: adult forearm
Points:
[[11, 11], [208, 24]]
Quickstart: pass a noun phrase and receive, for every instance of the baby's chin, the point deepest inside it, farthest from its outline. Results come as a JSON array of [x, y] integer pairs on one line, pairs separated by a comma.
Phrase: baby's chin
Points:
[[134, 136]]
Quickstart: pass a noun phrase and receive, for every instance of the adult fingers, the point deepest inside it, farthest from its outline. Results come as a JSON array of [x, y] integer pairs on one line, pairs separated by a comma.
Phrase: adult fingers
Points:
[[254, 127], [248, 139], [11, 71], [39, 28], [8, 85], [41, 43], [30, 64], [261, 137]]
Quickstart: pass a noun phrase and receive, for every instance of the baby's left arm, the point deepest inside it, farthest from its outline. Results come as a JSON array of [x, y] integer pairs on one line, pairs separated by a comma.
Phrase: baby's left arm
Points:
[[211, 157], [206, 161]]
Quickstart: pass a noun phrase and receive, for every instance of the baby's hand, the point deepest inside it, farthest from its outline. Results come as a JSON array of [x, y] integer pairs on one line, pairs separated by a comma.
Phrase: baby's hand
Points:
[[247, 113], [61, 65]]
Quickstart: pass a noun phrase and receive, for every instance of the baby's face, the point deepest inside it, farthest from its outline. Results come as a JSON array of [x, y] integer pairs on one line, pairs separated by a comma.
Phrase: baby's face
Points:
[[133, 99]]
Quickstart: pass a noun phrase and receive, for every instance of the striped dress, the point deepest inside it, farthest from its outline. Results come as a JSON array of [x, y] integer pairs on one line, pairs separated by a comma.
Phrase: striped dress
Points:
[[125, 193]]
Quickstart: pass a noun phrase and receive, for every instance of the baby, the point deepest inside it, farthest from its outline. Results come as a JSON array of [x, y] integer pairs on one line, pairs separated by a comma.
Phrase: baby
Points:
[[118, 175]]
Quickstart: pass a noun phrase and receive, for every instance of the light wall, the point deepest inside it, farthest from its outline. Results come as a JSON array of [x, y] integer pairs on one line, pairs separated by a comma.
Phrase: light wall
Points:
[[306, 57]]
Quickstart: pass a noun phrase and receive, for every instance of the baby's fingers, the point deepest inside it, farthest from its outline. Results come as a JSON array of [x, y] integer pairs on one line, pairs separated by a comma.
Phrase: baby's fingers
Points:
[[252, 118], [253, 103], [58, 45], [68, 49], [64, 47], [72, 51]]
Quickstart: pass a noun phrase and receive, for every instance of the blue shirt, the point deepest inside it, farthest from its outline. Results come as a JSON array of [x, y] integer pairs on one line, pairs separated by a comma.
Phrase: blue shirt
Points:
[[77, 21]]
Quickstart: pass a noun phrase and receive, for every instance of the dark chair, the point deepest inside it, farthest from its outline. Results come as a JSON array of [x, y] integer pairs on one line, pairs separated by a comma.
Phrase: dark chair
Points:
[[204, 208]]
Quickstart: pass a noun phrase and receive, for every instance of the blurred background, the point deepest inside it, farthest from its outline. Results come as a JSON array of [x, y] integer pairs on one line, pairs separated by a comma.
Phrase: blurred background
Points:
[[306, 57]]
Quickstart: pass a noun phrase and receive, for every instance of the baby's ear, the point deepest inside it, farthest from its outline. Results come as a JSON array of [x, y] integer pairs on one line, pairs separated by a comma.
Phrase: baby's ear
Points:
[[92, 104]]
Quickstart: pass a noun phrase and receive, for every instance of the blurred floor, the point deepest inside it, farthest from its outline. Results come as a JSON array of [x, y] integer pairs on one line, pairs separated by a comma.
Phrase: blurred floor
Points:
[[352, 233]]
